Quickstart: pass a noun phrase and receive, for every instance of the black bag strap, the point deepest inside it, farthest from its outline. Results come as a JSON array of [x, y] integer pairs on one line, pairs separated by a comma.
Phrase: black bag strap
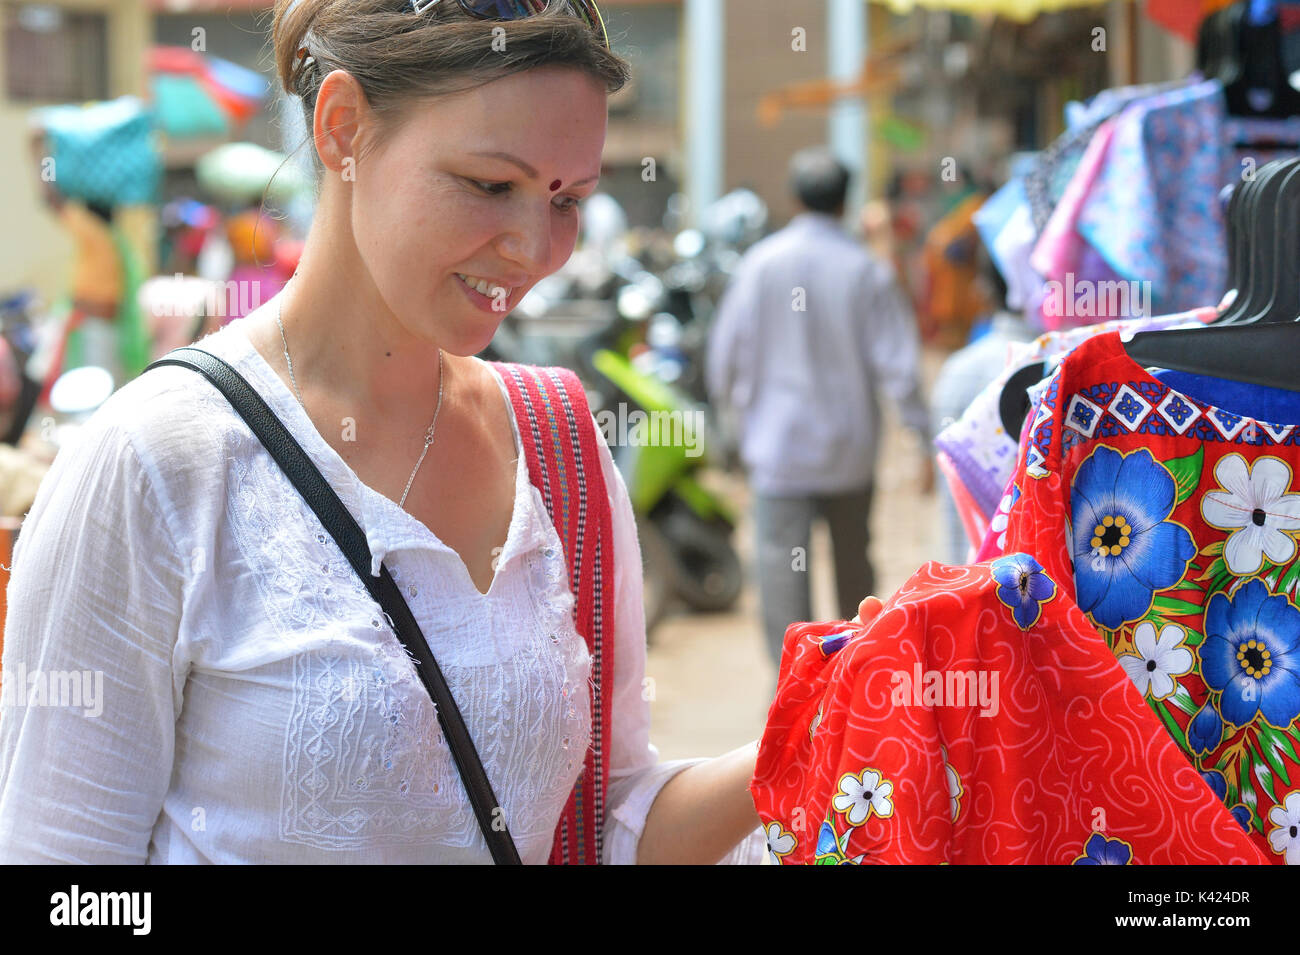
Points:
[[352, 541]]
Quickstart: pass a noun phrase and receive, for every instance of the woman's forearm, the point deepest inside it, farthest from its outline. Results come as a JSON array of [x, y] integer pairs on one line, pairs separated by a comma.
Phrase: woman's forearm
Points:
[[702, 812]]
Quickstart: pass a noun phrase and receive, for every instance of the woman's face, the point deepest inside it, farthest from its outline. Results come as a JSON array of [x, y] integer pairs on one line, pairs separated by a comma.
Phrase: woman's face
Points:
[[439, 199]]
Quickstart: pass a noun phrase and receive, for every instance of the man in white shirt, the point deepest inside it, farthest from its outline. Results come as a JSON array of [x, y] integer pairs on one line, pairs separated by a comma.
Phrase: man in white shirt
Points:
[[810, 328]]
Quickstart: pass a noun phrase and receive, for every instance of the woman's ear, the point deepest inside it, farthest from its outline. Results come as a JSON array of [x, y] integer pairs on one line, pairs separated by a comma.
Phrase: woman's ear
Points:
[[341, 111]]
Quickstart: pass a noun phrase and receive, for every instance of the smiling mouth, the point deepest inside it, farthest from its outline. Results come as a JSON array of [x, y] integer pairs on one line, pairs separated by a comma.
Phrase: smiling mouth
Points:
[[485, 286]]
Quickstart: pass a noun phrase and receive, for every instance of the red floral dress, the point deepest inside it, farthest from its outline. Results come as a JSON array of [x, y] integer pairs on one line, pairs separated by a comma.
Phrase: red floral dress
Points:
[[1172, 524], [977, 719]]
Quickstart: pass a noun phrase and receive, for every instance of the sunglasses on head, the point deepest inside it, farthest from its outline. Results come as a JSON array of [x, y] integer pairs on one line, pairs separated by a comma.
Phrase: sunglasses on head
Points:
[[584, 10]]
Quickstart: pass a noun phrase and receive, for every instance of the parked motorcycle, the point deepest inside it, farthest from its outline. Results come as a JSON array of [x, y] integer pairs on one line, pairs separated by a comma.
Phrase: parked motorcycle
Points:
[[685, 529]]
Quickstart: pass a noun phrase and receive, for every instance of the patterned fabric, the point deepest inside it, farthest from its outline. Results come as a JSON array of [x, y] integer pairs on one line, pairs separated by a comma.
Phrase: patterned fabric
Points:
[[981, 450], [1153, 213], [1061, 252], [977, 719], [1047, 180], [560, 446], [1173, 525]]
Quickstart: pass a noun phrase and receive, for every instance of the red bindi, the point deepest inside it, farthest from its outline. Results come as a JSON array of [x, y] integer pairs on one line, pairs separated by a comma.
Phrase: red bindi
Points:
[[555, 185]]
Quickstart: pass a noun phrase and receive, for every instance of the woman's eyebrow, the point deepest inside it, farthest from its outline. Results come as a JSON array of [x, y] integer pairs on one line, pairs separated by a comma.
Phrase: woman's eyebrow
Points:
[[529, 170]]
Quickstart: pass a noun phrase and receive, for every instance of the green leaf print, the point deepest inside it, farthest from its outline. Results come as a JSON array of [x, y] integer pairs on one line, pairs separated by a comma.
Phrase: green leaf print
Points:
[[1171, 724], [1269, 752], [1250, 800], [1262, 773], [1172, 607], [1289, 578], [1187, 474], [1182, 699], [1217, 567], [1281, 740]]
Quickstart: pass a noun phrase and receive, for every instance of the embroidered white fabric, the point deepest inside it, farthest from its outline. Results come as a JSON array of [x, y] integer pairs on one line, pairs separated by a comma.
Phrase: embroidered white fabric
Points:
[[255, 705]]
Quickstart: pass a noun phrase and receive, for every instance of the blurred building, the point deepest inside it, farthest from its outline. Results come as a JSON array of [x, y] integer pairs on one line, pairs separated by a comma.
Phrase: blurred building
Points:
[[939, 84]]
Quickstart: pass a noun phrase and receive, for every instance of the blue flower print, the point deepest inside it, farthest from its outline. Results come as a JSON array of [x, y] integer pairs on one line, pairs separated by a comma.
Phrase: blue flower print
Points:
[[832, 642], [1251, 654], [1205, 730], [1124, 546], [828, 843], [1022, 587], [1219, 786], [1217, 783], [1099, 850]]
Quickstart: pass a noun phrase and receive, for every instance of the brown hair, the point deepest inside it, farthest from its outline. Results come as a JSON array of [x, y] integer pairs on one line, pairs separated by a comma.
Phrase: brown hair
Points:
[[399, 56]]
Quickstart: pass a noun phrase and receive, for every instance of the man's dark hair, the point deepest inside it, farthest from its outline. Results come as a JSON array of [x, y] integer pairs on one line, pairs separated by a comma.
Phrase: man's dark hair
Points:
[[103, 210], [819, 180]]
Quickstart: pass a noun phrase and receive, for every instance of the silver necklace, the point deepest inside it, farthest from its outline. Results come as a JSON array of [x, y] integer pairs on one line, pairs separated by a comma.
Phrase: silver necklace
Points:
[[428, 435]]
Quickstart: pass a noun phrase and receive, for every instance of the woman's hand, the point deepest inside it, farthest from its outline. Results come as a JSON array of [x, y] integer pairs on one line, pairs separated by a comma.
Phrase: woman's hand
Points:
[[703, 811], [868, 610]]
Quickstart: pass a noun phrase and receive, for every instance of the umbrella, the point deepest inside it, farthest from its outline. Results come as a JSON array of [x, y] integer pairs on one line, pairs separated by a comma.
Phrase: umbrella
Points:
[[239, 173], [196, 94]]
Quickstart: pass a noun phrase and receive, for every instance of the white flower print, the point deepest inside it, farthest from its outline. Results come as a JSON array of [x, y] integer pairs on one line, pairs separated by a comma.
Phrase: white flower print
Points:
[[1256, 507], [779, 842], [955, 788], [1159, 660], [816, 722], [862, 794], [1285, 837], [1002, 517]]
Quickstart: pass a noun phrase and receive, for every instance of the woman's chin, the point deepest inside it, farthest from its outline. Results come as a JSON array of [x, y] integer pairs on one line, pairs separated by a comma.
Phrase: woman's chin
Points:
[[472, 337]]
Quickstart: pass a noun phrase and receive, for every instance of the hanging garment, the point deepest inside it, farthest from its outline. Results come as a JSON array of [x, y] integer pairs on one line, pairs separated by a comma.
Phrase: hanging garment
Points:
[[1153, 213], [1062, 257], [981, 450], [964, 374], [976, 719], [1046, 180], [1172, 524]]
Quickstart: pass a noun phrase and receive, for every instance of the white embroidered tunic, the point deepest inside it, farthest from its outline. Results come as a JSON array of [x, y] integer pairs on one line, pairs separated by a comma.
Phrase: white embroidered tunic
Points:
[[255, 705]]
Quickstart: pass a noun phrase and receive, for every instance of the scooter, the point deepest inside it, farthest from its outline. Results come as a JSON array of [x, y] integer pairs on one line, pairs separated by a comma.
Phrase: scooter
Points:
[[658, 436], [686, 529]]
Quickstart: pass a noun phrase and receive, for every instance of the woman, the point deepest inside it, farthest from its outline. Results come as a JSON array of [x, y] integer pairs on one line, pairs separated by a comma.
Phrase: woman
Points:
[[241, 698]]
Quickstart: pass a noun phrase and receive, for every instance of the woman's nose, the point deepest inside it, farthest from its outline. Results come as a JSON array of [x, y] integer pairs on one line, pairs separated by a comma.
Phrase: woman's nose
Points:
[[528, 243]]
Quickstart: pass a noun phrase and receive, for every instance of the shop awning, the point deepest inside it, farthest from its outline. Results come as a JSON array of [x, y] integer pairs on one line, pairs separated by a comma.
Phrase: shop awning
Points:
[[1178, 16]]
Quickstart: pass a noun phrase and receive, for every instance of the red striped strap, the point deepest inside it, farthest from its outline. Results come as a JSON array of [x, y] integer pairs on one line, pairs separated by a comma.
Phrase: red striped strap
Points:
[[560, 445]]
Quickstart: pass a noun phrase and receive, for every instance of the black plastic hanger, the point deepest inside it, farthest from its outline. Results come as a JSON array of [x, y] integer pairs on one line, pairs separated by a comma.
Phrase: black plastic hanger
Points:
[[1239, 239], [1265, 351], [1282, 303], [1255, 245], [1260, 224], [1264, 354], [1228, 34], [1262, 86], [1013, 405], [1207, 47]]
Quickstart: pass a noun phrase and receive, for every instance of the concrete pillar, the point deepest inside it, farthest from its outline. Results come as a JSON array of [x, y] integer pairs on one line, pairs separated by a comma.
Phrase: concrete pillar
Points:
[[847, 123], [705, 90]]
